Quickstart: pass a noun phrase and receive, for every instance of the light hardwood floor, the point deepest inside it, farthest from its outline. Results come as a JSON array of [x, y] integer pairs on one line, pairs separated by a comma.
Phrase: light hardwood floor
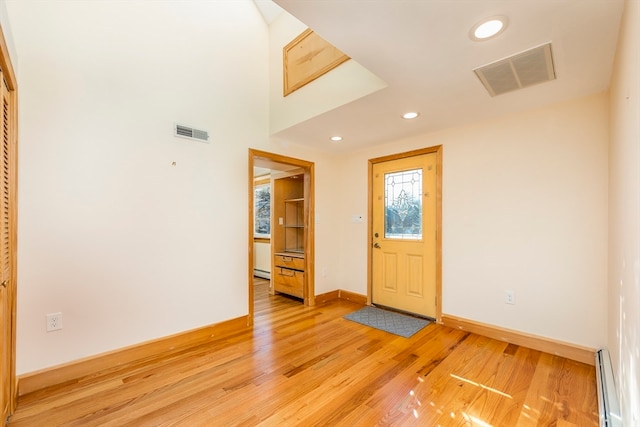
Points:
[[309, 366]]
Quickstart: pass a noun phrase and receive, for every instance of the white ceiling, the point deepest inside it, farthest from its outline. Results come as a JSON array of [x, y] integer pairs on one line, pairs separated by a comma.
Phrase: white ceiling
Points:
[[422, 50], [268, 9]]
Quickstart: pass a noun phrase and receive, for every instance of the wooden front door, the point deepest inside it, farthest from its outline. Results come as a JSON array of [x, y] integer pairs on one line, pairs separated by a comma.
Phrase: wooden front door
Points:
[[404, 225]]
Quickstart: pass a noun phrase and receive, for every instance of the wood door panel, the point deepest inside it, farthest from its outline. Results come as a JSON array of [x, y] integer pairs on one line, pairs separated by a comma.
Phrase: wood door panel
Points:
[[5, 258], [415, 276], [390, 272]]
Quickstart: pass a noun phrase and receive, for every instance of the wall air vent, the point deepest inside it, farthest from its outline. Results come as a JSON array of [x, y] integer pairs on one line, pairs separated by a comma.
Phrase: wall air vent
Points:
[[524, 69], [191, 133]]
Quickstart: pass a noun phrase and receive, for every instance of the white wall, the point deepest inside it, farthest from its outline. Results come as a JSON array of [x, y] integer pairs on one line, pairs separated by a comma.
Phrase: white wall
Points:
[[524, 208], [125, 245], [624, 215], [262, 257]]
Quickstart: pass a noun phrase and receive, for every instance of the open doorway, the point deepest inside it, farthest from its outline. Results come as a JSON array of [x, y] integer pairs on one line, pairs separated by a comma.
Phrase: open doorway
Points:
[[290, 237]]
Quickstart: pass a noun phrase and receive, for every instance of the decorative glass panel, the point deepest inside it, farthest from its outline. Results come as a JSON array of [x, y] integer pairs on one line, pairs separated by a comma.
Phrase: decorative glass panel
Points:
[[262, 210], [403, 205]]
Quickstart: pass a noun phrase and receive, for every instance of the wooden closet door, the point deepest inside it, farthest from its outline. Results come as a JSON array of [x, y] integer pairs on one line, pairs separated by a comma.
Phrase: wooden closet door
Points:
[[7, 250]]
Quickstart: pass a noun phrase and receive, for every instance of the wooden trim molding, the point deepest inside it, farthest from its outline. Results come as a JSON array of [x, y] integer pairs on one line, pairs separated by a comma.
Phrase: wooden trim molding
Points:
[[5, 63], [328, 296], [547, 345], [341, 294], [353, 297], [48, 377], [306, 58]]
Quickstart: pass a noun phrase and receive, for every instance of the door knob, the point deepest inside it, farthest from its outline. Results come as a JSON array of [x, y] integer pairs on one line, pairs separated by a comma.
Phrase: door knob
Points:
[[376, 245], [3, 284]]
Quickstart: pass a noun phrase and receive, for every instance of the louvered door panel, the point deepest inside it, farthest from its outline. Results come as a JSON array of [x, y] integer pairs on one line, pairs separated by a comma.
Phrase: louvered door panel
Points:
[[7, 250], [5, 236]]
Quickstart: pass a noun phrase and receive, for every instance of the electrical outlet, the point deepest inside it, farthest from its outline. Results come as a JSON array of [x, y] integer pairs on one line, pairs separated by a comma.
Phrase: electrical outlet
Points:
[[510, 297], [54, 322]]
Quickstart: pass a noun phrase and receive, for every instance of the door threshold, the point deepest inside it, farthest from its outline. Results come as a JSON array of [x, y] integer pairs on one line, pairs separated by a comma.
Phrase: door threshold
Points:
[[408, 313]]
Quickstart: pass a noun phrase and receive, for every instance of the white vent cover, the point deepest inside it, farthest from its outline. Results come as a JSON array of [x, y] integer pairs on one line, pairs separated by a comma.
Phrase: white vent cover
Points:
[[524, 69], [191, 133]]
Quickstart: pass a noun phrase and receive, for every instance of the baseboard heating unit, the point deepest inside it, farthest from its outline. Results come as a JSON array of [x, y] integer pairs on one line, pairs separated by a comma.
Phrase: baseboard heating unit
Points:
[[262, 273], [607, 398]]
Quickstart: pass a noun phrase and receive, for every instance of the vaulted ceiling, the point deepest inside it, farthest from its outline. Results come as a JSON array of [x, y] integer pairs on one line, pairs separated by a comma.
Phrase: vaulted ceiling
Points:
[[422, 49]]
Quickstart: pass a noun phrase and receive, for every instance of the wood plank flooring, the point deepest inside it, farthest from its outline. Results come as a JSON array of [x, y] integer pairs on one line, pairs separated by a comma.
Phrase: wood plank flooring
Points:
[[303, 366]]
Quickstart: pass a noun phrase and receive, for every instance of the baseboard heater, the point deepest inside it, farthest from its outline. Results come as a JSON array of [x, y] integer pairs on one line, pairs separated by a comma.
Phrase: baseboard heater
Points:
[[607, 398], [262, 273]]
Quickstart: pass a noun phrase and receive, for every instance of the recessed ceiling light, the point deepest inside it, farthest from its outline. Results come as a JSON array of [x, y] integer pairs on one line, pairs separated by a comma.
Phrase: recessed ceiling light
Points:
[[410, 115], [336, 138], [488, 28]]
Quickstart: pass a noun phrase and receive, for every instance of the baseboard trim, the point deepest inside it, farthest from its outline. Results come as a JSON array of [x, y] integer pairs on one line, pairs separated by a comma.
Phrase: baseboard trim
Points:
[[48, 377], [353, 297], [341, 294], [328, 296], [547, 345]]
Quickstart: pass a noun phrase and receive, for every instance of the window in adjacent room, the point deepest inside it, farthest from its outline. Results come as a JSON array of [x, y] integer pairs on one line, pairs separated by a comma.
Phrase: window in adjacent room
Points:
[[262, 209]]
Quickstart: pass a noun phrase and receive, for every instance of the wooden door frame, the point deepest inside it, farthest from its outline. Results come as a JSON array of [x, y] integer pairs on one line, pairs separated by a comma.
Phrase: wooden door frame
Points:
[[435, 149], [12, 84], [309, 257]]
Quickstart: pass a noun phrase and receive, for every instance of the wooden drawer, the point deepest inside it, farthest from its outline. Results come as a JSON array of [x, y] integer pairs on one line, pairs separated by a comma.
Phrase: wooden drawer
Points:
[[288, 261], [288, 281]]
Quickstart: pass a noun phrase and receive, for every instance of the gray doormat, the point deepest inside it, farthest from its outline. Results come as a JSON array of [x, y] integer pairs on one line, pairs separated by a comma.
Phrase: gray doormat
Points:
[[388, 321]]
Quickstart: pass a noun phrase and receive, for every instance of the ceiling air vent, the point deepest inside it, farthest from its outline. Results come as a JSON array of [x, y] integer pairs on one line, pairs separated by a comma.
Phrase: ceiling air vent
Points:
[[524, 69], [192, 133]]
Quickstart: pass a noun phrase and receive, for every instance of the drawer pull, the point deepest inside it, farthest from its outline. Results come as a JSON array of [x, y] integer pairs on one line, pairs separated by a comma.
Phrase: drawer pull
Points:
[[287, 259], [292, 273]]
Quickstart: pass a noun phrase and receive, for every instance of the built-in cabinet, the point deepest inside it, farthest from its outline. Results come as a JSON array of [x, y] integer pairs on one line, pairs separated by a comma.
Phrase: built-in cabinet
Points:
[[294, 225], [288, 235]]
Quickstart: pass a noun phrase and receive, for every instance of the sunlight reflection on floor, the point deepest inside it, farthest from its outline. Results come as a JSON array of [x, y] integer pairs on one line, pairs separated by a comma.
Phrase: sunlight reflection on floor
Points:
[[491, 389], [469, 418]]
